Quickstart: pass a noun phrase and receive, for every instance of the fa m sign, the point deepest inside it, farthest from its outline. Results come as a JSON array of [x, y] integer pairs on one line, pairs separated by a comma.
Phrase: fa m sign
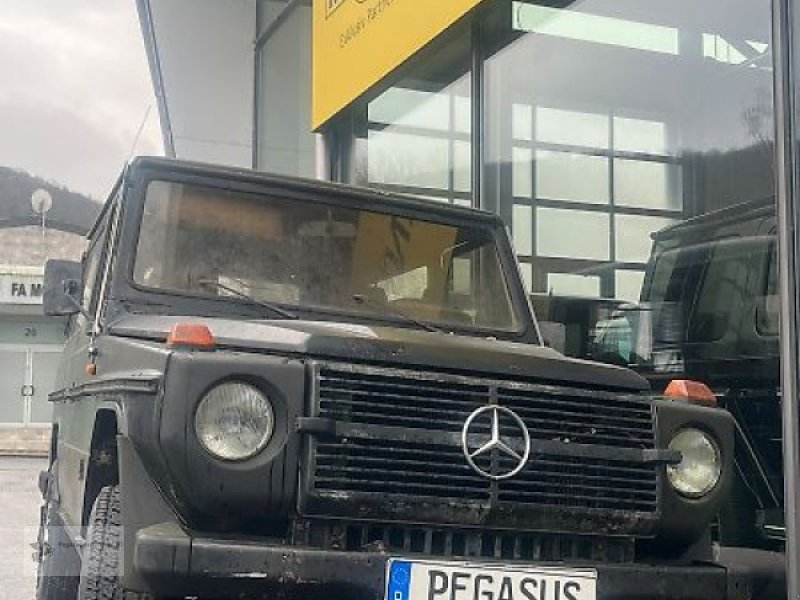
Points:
[[25, 290], [20, 288]]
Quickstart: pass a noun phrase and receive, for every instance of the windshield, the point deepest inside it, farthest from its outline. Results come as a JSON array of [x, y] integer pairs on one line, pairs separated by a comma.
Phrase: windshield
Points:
[[323, 257]]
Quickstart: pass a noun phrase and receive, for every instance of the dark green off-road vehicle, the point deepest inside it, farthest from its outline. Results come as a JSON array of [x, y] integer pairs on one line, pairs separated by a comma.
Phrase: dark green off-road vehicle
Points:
[[281, 388], [712, 297]]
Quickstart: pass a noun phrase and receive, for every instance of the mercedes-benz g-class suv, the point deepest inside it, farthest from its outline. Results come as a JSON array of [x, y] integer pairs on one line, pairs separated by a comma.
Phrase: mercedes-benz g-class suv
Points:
[[284, 388], [711, 305]]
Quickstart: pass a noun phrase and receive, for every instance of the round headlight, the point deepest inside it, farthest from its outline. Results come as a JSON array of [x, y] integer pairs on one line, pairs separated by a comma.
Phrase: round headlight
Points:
[[701, 467], [234, 421]]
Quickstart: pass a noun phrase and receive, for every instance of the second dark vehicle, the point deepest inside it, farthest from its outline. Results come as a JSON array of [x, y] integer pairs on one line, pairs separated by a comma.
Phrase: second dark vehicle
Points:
[[712, 291]]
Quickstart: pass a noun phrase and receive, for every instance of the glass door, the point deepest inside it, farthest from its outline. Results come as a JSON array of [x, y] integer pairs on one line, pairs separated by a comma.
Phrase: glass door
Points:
[[13, 378], [43, 368]]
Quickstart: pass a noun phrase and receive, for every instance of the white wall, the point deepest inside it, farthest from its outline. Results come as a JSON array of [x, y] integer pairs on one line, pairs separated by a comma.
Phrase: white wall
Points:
[[205, 53]]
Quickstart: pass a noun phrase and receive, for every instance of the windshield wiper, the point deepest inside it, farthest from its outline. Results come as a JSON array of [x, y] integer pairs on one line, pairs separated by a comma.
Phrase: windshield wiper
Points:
[[233, 291], [388, 308]]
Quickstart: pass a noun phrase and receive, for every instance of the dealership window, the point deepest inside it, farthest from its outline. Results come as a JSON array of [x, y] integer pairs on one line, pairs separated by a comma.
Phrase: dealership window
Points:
[[415, 136], [419, 141], [562, 160], [601, 123], [608, 120]]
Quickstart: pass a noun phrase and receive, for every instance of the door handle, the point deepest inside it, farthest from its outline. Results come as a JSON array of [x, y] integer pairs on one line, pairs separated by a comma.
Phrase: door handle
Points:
[[26, 390]]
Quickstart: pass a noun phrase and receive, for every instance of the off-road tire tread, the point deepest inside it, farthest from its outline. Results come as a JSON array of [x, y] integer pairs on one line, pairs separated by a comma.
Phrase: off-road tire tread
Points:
[[99, 576]]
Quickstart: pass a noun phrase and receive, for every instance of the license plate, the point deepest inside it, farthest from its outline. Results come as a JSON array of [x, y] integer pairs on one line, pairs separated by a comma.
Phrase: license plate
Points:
[[424, 580]]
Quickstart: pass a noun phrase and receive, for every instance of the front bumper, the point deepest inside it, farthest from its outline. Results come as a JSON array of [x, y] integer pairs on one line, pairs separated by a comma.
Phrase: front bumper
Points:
[[174, 563]]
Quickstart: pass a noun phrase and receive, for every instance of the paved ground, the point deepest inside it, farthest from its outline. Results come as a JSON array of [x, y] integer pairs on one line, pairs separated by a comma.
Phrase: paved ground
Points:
[[19, 517]]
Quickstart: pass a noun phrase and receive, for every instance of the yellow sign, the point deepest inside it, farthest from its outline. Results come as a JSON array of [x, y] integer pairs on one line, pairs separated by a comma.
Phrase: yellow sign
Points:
[[358, 42], [388, 246]]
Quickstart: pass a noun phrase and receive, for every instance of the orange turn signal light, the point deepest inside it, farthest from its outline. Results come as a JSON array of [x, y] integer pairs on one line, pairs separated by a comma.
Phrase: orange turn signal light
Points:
[[687, 390], [191, 335]]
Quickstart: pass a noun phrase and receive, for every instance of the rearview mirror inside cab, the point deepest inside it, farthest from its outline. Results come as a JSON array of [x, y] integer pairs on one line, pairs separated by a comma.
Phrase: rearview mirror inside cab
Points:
[[62, 288]]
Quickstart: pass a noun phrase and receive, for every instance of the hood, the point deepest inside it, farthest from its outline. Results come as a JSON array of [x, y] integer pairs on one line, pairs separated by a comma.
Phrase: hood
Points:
[[396, 346]]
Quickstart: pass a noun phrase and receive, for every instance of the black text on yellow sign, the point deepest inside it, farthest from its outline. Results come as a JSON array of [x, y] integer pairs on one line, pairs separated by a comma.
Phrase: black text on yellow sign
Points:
[[359, 42]]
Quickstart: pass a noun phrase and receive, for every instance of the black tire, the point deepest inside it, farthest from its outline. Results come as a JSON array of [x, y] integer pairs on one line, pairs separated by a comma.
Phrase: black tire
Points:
[[59, 563], [101, 555]]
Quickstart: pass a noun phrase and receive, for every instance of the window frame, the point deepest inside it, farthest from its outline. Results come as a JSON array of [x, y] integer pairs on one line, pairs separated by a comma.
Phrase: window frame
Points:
[[527, 328]]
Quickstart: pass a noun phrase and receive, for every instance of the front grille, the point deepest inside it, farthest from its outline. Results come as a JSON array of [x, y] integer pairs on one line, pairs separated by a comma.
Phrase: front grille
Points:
[[439, 404], [354, 536]]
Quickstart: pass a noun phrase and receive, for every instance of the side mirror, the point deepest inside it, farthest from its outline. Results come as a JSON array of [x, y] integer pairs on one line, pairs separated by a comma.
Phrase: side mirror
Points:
[[62, 288]]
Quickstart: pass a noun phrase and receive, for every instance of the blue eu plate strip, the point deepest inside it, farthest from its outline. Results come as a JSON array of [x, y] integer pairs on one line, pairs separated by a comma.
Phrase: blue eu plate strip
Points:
[[399, 580]]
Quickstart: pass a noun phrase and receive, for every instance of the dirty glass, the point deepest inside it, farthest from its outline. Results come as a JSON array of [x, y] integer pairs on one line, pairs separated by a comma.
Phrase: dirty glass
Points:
[[323, 257]]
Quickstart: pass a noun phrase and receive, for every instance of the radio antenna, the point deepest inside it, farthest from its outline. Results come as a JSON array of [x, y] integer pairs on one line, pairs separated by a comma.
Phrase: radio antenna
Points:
[[139, 133]]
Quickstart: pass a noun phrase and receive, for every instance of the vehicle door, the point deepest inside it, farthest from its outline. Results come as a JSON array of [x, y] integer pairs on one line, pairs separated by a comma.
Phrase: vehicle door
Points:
[[74, 417]]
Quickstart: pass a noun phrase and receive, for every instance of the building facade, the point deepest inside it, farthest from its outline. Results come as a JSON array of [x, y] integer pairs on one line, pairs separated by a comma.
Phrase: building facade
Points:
[[587, 125], [30, 342]]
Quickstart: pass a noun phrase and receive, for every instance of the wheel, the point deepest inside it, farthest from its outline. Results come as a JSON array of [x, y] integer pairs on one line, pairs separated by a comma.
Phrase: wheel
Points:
[[58, 561], [99, 573]]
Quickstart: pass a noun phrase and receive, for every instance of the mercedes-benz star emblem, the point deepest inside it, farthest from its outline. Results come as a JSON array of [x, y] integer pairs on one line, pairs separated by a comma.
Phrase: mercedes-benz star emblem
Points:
[[503, 444]]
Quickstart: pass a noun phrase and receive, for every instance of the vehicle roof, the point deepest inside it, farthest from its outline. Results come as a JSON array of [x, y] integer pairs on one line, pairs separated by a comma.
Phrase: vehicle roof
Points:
[[362, 195], [745, 211]]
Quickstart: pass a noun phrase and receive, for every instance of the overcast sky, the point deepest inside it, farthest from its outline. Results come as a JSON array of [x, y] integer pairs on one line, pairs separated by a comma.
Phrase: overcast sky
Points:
[[75, 87]]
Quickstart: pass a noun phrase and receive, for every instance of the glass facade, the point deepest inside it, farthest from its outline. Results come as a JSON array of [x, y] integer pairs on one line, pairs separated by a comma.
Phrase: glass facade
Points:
[[415, 136], [592, 142], [593, 127], [573, 123]]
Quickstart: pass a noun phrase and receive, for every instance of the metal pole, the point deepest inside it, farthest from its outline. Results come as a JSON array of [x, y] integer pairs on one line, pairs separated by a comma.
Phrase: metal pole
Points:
[[788, 205]]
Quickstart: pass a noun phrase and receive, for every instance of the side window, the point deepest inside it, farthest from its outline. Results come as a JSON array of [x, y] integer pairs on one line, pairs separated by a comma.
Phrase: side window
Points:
[[91, 269], [673, 282], [723, 290], [612, 341], [107, 262], [94, 262], [663, 270]]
